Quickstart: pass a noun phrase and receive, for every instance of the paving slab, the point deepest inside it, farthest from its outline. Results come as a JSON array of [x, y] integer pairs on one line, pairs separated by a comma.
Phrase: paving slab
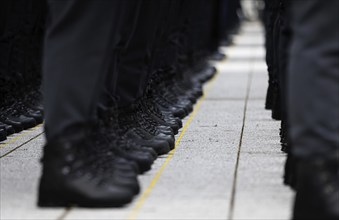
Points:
[[260, 193]]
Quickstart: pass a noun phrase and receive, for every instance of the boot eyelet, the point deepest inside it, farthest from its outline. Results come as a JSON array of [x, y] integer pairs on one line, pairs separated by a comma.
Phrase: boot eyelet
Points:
[[70, 158], [67, 146], [66, 170]]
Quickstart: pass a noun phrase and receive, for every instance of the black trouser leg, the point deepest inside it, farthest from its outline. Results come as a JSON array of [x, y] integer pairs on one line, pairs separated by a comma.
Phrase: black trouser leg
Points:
[[129, 15], [276, 104], [134, 59], [314, 79], [79, 41], [271, 8], [285, 37]]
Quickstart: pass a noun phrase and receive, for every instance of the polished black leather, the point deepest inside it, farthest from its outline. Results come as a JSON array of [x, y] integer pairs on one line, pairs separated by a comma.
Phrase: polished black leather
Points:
[[16, 125], [317, 190], [8, 128], [160, 146], [3, 134], [74, 175]]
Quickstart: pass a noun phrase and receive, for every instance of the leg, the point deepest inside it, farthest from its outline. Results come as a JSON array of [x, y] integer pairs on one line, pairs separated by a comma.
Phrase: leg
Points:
[[134, 59], [314, 107], [314, 78], [78, 46], [79, 43]]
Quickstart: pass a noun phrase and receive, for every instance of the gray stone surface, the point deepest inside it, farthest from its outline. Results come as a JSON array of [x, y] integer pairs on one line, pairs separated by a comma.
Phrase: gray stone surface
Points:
[[19, 175], [259, 193], [19, 139], [196, 181]]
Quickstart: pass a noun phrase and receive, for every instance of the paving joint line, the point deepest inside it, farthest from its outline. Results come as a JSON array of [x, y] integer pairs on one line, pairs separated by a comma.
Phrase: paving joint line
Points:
[[21, 145], [65, 213], [235, 174]]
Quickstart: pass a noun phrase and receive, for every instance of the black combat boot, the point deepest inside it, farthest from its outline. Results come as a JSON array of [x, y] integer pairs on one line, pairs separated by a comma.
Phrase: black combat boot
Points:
[[269, 97], [33, 100], [164, 87], [284, 137], [13, 116], [146, 122], [178, 101], [3, 134], [165, 106], [290, 171], [318, 189], [205, 72], [119, 144], [276, 104], [218, 56], [26, 111], [8, 128], [161, 101], [74, 173], [15, 124], [162, 117], [131, 129], [153, 119]]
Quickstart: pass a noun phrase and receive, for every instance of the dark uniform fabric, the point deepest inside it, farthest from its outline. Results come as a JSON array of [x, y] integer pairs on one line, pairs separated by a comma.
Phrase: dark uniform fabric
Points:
[[278, 37], [314, 79], [283, 57], [134, 58], [271, 12], [144, 37], [169, 36], [79, 46]]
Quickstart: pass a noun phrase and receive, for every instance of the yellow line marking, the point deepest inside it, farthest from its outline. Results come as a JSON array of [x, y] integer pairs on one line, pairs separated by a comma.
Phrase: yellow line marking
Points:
[[24, 133], [141, 200], [65, 213]]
